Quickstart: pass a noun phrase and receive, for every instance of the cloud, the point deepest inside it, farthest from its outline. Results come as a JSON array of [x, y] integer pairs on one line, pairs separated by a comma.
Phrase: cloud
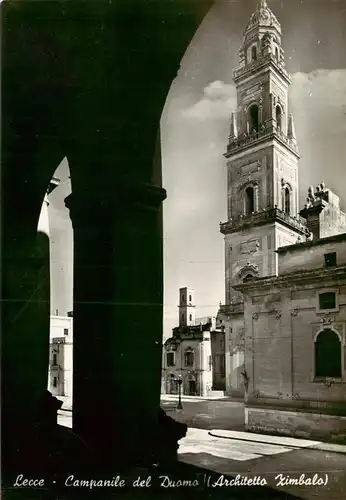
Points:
[[318, 103], [218, 101], [327, 88]]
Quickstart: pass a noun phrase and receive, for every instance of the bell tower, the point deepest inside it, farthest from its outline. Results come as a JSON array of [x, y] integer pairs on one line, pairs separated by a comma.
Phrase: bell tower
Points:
[[187, 307], [262, 158]]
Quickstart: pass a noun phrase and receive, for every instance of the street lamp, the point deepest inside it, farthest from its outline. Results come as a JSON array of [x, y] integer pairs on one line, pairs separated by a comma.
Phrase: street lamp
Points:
[[178, 380]]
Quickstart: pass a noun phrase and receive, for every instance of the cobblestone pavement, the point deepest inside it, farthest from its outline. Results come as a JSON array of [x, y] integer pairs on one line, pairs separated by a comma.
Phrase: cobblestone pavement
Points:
[[207, 414], [279, 461], [278, 464]]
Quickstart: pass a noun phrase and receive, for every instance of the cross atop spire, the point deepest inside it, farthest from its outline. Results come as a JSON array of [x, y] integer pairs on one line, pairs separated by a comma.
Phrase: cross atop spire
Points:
[[263, 4]]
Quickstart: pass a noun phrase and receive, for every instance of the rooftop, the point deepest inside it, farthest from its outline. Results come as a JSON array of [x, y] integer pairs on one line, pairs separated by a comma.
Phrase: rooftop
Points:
[[306, 244]]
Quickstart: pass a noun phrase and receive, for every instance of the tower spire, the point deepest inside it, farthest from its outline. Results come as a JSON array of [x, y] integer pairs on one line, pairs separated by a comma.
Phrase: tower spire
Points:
[[291, 131], [233, 128]]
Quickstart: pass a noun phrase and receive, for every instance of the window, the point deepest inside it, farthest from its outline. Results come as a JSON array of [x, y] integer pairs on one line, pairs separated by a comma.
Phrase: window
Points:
[[190, 317], [249, 201], [210, 362], [254, 53], [190, 298], [65, 331], [55, 382], [189, 358], [327, 354], [287, 201], [327, 300], [276, 53], [248, 277], [330, 259], [55, 361], [253, 118], [170, 359], [278, 116], [183, 317]]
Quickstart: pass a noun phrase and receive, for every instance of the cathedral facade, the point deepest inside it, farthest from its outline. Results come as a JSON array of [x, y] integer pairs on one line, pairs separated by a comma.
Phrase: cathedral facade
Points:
[[263, 216]]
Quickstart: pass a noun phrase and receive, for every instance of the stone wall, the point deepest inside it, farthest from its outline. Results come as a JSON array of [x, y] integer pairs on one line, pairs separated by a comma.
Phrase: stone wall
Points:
[[295, 423], [304, 257]]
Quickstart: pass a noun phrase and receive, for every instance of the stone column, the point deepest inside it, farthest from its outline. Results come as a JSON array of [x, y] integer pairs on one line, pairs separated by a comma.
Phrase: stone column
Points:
[[118, 316], [256, 198], [25, 341]]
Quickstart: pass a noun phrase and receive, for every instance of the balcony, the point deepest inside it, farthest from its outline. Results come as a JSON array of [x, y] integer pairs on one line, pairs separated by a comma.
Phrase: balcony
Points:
[[245, 140], [259, 218], [256, 65], [235, 308]]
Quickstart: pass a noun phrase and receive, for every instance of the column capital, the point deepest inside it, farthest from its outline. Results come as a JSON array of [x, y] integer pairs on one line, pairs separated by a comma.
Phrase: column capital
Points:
[[123, 197]]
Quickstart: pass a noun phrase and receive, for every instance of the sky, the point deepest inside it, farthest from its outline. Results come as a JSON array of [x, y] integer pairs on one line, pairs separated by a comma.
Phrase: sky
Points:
[[195, 128]]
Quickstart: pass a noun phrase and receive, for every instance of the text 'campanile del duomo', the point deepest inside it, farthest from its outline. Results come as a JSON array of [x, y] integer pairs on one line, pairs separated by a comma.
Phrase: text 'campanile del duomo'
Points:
[[262, 174]]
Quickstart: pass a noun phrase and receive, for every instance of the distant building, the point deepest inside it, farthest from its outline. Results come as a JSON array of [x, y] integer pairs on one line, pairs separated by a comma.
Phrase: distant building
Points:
[[60, 376], [189, 352]]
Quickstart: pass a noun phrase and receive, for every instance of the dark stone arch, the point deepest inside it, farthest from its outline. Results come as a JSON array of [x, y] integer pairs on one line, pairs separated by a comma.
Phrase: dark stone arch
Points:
[[74, 72]]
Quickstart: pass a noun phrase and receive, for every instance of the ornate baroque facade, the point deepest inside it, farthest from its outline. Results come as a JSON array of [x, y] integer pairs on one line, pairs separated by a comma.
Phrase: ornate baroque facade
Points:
[[263, 216], [262, 177]]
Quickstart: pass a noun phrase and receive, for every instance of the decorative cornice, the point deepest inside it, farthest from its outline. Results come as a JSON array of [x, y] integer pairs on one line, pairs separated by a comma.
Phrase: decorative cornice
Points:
[[261, 218], [106, 204], [248, 141], [261, 63], [311, 243], [312, 275]]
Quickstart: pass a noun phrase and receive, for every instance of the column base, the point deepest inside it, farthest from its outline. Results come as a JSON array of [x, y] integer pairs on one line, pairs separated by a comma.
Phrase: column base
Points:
[[295, 423]]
